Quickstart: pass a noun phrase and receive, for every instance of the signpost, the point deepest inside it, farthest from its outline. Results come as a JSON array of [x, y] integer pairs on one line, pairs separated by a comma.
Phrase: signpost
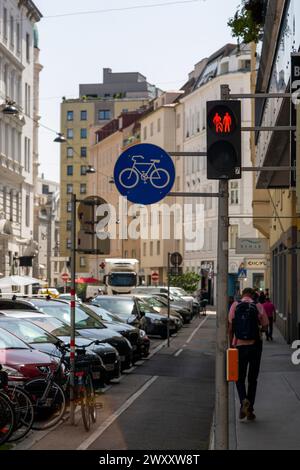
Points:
[[65, 278]]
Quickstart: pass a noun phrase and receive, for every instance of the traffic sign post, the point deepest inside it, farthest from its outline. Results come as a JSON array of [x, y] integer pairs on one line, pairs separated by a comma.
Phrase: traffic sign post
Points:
[[155, 277], [65, 278]]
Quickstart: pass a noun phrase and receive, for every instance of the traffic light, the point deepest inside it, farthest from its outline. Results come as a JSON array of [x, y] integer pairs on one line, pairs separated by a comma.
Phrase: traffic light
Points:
[[224, 142]]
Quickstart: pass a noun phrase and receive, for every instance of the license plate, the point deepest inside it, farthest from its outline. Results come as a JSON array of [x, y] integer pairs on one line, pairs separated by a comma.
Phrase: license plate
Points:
[[110, 367], [122, 358]]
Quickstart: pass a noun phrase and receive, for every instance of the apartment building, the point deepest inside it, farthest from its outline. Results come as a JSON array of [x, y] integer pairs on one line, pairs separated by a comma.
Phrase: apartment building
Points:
[[230, 65], [19, 71], [97, 105]]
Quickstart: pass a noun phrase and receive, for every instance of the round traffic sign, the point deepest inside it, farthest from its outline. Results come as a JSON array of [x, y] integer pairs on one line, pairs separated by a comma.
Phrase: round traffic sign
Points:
[[176, 259], [145, 174], [155, 277], [65, 277]]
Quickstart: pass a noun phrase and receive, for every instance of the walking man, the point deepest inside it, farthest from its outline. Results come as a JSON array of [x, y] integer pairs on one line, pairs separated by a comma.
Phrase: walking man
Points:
[[247, 320], [270, 310]]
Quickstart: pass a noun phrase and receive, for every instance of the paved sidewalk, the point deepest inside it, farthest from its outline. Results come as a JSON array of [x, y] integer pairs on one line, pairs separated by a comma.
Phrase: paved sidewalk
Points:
[[277, 405]]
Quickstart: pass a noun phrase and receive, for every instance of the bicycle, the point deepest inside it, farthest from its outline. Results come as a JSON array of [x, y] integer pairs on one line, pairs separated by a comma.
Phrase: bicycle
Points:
[[129, 178], [7, 413], [50, 394]]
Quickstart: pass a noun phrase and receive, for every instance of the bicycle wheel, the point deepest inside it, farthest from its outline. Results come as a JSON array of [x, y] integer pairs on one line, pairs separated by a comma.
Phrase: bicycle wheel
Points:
[[129, 178], [24, 412], [160, 178], [91, 398], [85, 409], [49, 403], [7, 418]]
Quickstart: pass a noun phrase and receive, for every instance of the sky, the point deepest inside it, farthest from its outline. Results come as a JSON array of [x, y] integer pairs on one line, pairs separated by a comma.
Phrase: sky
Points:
[[163, 43]]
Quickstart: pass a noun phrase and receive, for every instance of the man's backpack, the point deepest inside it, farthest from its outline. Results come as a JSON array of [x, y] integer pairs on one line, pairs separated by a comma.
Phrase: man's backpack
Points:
[[246, 323]]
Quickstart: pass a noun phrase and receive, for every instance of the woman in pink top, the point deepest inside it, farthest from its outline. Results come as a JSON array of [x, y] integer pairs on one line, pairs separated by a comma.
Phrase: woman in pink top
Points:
[[270, 310]]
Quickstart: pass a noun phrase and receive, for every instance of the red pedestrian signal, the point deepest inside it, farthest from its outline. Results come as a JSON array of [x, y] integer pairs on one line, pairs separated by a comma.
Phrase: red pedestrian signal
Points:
[[223, 140]]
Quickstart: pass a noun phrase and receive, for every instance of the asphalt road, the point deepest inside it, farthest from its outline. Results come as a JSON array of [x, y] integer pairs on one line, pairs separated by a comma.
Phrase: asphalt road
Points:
[[165, 403]]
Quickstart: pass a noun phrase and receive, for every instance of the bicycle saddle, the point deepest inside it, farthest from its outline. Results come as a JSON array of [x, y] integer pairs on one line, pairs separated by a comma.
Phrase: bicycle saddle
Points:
[[155, 161]]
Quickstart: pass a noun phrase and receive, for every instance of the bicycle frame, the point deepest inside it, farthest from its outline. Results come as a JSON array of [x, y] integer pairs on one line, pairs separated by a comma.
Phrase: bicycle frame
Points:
[[151, 167]]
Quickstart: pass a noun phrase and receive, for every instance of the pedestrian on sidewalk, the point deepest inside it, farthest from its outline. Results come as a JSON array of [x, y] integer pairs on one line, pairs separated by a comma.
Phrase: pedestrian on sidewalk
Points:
[[247, 321], [270, 310]]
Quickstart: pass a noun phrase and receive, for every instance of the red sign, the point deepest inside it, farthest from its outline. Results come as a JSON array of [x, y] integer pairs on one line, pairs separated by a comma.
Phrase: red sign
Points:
[[155, 277], [65, 277], [102, 265]]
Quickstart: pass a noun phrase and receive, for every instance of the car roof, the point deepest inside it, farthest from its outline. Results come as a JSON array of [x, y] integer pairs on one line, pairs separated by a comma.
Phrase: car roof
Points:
[[22, 314], [116, 297]]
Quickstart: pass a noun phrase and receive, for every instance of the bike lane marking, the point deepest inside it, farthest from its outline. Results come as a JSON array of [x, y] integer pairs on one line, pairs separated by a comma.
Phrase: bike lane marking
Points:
[[109, 421], [196, 330]]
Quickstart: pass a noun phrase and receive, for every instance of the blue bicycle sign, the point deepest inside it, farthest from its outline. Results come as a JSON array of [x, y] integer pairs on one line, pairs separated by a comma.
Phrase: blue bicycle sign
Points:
[[145, 174]]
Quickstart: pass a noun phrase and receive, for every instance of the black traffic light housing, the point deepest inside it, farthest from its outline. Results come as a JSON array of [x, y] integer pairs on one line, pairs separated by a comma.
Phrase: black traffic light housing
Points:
[[224, 141]]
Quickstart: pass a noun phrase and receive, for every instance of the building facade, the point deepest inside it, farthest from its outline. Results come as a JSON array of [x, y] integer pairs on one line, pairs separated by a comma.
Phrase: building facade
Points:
[[97, 106], [18, 139], [275, 211], [46, 231], [230, 65]]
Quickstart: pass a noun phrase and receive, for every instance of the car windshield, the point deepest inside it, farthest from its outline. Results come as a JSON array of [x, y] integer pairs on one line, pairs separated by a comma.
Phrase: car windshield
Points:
[[153, 302], [84, 317], [179, 291], [145, 307], [9, 341], [124, 308], [122, 279], [52, 325], [104, 315], [27, 332]]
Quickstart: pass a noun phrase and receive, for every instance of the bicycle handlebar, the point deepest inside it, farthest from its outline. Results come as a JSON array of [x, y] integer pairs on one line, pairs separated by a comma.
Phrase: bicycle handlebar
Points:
[[66, 347]]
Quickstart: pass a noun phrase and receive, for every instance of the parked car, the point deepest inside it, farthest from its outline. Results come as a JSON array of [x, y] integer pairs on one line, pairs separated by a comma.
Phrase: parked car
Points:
[[159, 306], [138, 338], [87, 323], [22, 362], [135, 312], [40, 339], [68, 297]]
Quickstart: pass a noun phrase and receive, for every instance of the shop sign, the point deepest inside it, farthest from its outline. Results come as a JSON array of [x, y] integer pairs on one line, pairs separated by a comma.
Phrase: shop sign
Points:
[[255, 246], [256, 264]]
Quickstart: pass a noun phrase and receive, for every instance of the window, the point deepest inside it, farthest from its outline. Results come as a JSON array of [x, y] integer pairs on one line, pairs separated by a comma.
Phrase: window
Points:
[[159, 125], [69, 206], [69, 244], [18, 38], [70, 152], [82, 262], [151, 248], [133, 254], [45, 189], [83, 152], [27, 211], [104, 115], [233, 235], [145, 133], [83, 133], [12, 31], [69, 188], [83, 115], [158, 248], [83, 188], [70, 170], [234, 193], [4, 201], [27, 47], [178, 121], [18, 208], [145, 249], [83, 170], [70, 115], [69, 225], [151, 129], [11, 205], [5, 23], [70, 134]]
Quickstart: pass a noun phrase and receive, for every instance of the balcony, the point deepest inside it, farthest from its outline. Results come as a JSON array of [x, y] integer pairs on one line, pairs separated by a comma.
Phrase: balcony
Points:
[[11, 169]]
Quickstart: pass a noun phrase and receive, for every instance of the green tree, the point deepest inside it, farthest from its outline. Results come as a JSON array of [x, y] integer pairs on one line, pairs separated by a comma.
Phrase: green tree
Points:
[[188, 281], [248, 22]]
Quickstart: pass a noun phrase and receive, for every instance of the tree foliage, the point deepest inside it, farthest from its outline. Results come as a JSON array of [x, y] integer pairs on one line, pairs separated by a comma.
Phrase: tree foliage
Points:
[[188, 281], [248, 22]]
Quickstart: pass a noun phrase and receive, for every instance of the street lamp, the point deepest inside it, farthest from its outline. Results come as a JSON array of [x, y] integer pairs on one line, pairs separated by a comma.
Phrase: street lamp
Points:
[[10, 108], [60, 139]]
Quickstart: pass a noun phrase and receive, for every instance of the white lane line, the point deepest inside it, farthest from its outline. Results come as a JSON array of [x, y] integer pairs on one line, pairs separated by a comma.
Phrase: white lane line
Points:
[[196, 331], [178, 353], [109, 421]]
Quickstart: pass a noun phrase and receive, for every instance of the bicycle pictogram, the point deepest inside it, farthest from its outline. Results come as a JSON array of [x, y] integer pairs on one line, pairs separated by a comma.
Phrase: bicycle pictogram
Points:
[[147, 172]]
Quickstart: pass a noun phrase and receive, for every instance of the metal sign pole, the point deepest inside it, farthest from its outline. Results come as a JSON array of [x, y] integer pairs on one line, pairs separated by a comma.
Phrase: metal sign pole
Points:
[[72, 305], [168, 326], [221, 405]]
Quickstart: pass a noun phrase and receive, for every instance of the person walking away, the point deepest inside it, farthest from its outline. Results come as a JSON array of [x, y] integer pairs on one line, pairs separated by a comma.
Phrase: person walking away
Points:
[[270, 310], [230, 302], [247, 320]]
